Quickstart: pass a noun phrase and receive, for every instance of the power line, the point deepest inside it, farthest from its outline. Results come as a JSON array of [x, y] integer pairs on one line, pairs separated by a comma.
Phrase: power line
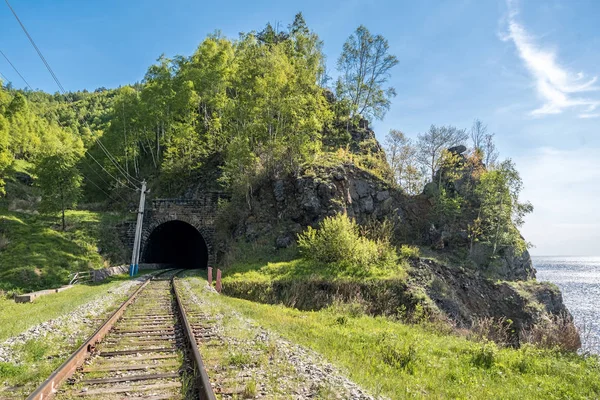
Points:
[[103, 180], [16, 70], [62, 89], [116, 164], [111, 175], [4, 77], [36, 48], [93, 183]]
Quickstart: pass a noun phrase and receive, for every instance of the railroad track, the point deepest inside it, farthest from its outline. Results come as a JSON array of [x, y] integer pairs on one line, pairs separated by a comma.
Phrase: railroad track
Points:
[[147, 349]]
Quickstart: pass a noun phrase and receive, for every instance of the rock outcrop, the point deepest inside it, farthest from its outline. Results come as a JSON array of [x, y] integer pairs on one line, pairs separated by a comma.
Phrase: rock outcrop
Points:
[[282, 208]]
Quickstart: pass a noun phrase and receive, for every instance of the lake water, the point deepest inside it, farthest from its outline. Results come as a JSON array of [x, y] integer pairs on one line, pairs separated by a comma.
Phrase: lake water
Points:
[[579, 280]]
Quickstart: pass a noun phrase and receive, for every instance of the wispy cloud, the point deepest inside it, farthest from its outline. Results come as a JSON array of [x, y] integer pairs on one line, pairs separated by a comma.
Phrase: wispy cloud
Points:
[[558, 87]]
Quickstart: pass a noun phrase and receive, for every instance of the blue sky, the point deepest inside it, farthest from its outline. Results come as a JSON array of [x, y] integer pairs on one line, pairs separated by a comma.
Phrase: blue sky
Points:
[[527, 69]]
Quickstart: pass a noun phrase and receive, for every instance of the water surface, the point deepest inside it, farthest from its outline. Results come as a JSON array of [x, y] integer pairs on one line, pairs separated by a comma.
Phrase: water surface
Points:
[[579, 280]]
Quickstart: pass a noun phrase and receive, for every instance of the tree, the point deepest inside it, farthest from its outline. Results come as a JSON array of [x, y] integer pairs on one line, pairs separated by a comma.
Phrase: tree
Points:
[[6, 157], [490, 154], [500, 212], [431, 144], [60, 180], [478, 133], [401, 155], [365, 66], [483, 142]]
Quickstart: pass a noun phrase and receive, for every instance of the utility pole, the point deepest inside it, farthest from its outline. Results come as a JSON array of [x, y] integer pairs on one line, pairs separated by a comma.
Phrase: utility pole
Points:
[[135, 256]]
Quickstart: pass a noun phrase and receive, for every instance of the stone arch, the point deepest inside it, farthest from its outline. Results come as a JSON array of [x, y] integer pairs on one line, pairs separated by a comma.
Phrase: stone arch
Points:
[[207, 233]]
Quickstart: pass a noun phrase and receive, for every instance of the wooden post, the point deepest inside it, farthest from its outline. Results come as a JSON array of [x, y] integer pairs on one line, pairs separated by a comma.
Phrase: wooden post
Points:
[[218, 281], [209, 276]]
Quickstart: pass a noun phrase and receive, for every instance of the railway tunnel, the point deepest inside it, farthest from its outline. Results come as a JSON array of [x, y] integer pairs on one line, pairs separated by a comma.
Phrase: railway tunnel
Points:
[[176, 242]]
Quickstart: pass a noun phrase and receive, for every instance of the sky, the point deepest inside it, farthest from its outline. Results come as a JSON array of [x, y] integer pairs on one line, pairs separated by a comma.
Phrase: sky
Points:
[[528, 69]]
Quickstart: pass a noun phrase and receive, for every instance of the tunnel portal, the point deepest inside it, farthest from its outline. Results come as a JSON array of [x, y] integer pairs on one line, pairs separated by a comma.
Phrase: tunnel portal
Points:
[[176, 242]]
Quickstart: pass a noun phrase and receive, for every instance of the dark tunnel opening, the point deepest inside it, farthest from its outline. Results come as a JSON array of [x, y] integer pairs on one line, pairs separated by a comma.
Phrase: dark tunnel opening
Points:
[[178, 243]]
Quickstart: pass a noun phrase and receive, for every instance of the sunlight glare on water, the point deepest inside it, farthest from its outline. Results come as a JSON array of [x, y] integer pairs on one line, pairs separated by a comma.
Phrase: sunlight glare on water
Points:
[[579, 280]]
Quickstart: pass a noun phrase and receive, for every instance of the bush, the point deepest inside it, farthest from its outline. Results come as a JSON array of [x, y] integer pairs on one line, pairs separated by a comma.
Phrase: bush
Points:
[[485, 356], [498, 331], [557, 333], [410, 252], [338, 243]]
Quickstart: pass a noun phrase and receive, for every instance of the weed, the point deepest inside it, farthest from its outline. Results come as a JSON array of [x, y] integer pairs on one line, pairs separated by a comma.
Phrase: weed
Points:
[[560, 333], [35, 349], [499, 330], [399, 357], [239, 359], [338, 244], [408, 252], [250, 390], [8, 370], [485, 355]]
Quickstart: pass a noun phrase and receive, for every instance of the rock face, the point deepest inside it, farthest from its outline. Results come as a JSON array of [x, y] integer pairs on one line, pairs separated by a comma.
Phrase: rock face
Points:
[[282, 208], [297, 202], [465, 297]]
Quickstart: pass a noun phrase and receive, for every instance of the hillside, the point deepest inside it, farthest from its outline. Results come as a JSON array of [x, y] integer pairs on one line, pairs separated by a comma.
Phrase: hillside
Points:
[[35, 254]]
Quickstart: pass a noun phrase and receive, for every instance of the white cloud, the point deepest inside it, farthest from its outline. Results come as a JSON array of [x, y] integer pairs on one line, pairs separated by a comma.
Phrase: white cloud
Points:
[[558, 87], [563, 187]]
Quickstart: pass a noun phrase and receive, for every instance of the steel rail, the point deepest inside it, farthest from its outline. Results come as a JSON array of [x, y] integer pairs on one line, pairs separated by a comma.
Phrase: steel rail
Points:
[[47, 389], [205, 391]]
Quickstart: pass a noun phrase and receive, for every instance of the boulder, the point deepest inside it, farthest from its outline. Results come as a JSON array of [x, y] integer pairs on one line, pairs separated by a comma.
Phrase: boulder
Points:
[[458, 149]]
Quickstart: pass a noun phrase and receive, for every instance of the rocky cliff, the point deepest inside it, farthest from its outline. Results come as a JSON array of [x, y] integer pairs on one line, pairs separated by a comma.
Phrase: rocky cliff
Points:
[[462, 289]]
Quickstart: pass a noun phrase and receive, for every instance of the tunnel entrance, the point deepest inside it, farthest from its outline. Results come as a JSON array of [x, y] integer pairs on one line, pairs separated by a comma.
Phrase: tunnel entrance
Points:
[[176, 242]]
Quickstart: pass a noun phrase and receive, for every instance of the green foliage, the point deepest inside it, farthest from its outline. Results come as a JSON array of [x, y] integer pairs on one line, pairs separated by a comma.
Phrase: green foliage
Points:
[[485, 355], [447, 207], [59, 179], [338, 243], [364, 67], [410, 252], [39, 256], [8, 370], [501, 212]]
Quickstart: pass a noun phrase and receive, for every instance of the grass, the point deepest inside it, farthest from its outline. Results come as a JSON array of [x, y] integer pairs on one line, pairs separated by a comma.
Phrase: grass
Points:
[[257, 264], [414, 361], [38, 357], [48, 307], [36, 254]]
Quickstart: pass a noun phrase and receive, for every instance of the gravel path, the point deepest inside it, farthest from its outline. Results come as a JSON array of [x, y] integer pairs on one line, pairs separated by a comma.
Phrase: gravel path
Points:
[[69, 327], [300, 373]]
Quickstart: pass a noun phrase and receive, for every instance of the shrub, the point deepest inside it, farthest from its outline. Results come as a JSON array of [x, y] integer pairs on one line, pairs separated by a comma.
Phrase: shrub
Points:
[[489, 328], [559, 332], [337, 242], [399, 357], [410, 252], [485, 356]]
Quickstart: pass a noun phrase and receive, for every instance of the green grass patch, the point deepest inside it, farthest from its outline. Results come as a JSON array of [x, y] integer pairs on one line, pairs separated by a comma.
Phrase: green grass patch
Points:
[[36, 254], [414, 361], [18, 317]]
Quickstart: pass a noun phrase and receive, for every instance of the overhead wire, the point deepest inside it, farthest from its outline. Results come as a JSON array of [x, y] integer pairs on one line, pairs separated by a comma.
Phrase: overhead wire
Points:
[[117, 165], [111, 175], [35, 47], [111, 158], [93, 183], [103, 180], [16, 70]]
